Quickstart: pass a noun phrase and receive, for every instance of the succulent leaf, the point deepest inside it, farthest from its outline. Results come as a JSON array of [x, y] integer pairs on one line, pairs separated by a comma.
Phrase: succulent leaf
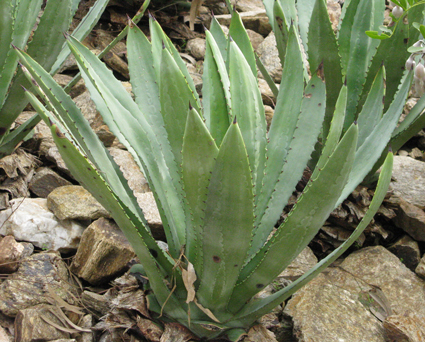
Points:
[[240, 37], [159, 41], [198, 158], [356, 55], [216, 91], [288, 171], [373, 108], [45, 45], [247, 107], [323, 48], [22, 18], [229, 216], [369, 152], [220, 38]]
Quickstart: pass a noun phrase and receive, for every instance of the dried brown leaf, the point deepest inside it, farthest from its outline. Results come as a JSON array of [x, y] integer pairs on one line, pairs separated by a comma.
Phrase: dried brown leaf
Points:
[[189, 278]]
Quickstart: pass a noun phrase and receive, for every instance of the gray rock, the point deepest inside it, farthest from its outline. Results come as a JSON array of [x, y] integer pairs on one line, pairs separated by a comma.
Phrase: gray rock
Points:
[[332, 307], [150, 210], [30, 220], [255, 38], [409, 183], [30, 285], [269, 56], [130, 169], [411, 219], [104, 253], [31, 326], [12, 252], [45, 181], [73, 202], [407, 250], [420, 269], [196, 47]]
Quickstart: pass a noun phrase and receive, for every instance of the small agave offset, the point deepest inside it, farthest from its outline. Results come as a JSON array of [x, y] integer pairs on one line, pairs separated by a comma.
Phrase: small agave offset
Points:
[[219, 178]]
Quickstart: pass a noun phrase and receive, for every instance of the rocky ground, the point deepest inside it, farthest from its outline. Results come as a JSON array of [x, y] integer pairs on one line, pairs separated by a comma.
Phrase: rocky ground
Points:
[[64, 262]]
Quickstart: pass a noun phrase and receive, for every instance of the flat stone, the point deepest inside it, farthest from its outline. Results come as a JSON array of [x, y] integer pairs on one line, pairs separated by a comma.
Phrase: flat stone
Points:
[[332, 307], [76, 203], [409, 180], [407, 250], [104, 253], [45, 181], [30, 325], [30, 220], [411, 219], [30, 284], [12, 252], [323, 311]]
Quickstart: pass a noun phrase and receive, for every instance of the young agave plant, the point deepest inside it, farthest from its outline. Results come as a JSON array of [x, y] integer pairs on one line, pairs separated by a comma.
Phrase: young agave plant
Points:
[[219, 178], [46, 46]]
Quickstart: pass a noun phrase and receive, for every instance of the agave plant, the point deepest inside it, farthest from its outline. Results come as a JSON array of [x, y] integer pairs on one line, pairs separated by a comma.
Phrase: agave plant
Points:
[[366, 65], [220, 180], [46, 45]]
